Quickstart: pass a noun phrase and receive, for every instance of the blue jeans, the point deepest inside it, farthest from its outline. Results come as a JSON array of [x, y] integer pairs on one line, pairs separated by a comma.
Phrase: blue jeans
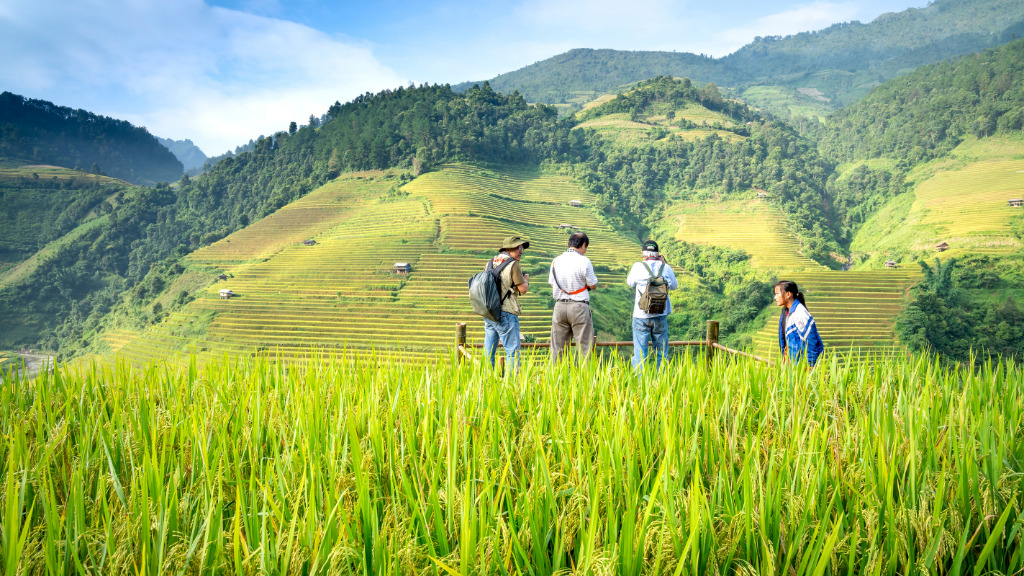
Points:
[[507, 331], [653, 329]]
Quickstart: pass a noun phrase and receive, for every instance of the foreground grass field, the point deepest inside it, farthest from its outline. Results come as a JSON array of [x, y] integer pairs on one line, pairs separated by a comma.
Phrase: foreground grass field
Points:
[[366, 466]]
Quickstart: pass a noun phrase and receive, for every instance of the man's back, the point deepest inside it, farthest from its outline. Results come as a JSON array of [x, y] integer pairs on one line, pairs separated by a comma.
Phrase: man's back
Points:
[[639, 277], [573, 272]]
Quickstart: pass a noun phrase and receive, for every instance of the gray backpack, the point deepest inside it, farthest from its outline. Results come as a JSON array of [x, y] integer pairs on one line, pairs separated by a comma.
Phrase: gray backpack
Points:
[[654, 298], [485, 290]]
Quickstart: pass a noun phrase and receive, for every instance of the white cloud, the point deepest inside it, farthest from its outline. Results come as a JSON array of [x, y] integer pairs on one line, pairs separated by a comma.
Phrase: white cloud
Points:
[[183, 69]]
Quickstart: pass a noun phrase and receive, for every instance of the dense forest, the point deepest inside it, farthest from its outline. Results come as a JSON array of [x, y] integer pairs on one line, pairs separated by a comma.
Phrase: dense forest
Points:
[[928, 112], [951, 315], [43, 133], [40, 210]]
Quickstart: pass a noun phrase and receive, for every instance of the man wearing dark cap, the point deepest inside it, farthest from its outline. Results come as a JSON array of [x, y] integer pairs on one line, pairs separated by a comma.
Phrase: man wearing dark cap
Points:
[[650, 326], [513, 284]]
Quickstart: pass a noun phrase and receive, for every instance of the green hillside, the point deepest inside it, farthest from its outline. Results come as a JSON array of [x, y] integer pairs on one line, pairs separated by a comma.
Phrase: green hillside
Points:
[[43, 203], [40, 132], [960, 199], [341, 293]]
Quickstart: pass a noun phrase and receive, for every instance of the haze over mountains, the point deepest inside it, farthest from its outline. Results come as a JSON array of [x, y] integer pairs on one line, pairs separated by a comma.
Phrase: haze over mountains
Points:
[[821, 70]]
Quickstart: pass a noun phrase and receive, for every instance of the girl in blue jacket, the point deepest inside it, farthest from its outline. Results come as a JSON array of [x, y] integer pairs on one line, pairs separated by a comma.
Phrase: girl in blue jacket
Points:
[[798, 334]]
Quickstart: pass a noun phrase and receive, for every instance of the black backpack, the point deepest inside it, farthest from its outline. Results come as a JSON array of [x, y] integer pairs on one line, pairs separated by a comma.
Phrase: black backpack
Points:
[[485, 290]]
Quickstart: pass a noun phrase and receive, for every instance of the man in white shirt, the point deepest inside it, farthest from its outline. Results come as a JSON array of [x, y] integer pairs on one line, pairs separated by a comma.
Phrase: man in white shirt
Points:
[[649, 326], [572, 278]]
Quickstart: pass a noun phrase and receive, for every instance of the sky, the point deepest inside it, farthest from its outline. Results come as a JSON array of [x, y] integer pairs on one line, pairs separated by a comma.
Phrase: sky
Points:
[[222, 72]]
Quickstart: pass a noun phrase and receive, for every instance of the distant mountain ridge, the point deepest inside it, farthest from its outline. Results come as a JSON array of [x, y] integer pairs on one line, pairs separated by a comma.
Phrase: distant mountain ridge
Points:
[[842, 62], [186, 152], [42, 132]]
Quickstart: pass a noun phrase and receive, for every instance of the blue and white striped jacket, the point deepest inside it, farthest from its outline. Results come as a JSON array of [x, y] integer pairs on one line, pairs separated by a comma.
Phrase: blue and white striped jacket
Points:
[[798, 334]]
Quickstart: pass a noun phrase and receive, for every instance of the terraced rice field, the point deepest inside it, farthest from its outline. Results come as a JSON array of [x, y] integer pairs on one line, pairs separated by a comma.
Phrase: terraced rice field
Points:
[[301, 220], [622, 129], [753, 226], [968, 208], [46, 172], [854, 310], [341, 294]]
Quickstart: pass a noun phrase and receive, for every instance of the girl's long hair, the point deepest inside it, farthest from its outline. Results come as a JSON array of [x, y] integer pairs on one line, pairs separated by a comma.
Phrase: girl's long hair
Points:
[[791, 287]]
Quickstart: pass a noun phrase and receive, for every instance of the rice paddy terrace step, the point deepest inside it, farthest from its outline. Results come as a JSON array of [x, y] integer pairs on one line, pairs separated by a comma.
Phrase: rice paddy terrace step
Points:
[[753, 226]]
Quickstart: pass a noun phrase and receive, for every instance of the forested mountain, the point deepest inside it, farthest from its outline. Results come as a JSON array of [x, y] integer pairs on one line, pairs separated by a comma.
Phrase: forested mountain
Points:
[[190, 156], [44, 133], [841, 62], [928, 112], [581, 74]]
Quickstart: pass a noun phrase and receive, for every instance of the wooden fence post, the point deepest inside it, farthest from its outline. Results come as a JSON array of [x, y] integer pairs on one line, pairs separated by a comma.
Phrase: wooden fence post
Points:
[[712, 339], [460, 340]]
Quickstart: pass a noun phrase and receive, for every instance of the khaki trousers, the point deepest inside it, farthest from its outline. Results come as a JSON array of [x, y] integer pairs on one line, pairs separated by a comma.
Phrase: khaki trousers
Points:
[[571, 321]]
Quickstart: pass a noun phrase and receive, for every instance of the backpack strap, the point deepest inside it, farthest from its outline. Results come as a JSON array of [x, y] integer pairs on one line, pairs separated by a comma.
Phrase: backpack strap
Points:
[[652, 276], [574, 292], [497, 274]]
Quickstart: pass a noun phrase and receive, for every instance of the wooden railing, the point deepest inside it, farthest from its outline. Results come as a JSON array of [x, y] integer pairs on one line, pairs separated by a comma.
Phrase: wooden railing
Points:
[[710, 344]]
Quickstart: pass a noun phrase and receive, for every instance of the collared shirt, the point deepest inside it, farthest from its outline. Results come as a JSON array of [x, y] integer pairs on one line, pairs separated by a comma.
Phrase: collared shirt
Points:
[[638, 279], [511, 278], [798, 334], [574, 271]]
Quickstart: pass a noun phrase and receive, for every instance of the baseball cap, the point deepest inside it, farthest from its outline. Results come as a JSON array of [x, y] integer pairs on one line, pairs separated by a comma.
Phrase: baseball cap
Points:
[[650, 246]]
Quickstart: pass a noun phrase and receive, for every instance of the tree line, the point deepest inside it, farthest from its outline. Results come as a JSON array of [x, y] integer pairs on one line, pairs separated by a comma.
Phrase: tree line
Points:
[[42, 132]]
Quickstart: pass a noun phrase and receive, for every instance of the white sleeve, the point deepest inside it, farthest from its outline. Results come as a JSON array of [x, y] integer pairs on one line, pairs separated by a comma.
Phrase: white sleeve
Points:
[[670, 278], [631, 279]]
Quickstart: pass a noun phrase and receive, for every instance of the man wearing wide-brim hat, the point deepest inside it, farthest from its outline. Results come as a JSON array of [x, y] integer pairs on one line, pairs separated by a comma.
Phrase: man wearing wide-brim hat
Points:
[[513, 284]]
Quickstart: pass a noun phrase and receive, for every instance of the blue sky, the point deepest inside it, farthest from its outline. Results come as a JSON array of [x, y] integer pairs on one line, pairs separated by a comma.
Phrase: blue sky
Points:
[[223, 71]]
